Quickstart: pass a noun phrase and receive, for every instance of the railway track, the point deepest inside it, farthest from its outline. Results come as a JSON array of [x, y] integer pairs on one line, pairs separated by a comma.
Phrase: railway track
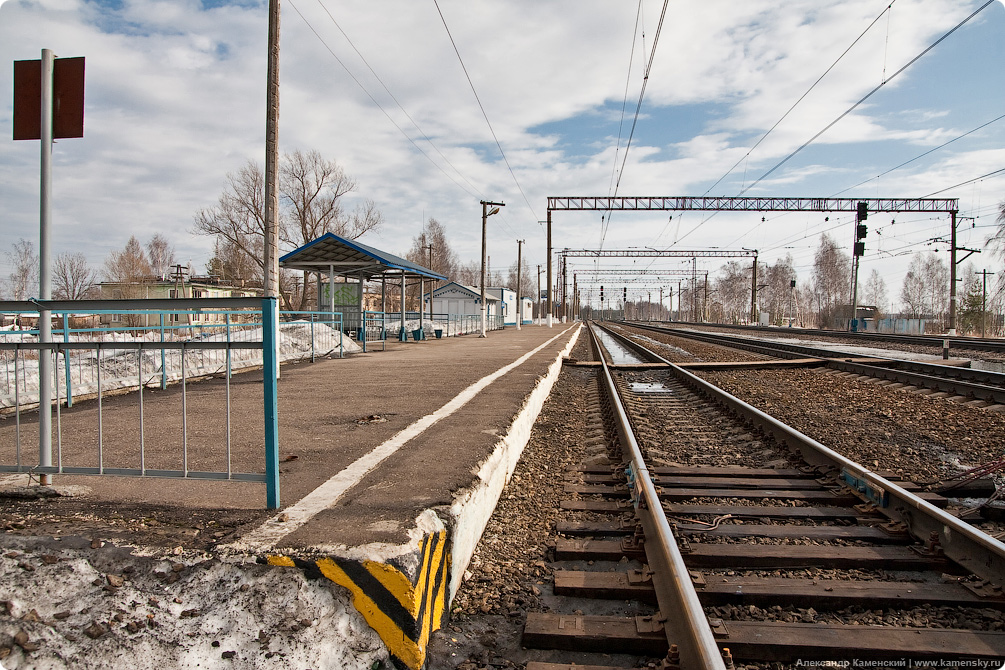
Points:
[[990, 345], [960, 382], [757, 545]]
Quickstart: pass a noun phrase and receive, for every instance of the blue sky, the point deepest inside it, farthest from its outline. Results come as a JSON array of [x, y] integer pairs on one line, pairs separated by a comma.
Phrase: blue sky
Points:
[[175, 101]]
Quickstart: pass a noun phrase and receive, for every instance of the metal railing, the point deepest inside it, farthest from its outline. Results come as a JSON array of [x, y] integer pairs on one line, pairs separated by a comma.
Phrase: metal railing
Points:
[[96, 361]]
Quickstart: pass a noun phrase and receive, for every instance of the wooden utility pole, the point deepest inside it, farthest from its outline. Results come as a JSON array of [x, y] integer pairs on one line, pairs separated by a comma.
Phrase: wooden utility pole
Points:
[[272, 156]]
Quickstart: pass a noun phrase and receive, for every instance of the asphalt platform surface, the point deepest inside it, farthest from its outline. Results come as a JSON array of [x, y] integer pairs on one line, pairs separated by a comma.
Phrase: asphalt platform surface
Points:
[[331, 413]]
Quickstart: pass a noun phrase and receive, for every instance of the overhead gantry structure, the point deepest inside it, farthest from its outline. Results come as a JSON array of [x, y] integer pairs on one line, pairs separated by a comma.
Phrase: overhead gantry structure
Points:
[[693, 254], [757, 204]]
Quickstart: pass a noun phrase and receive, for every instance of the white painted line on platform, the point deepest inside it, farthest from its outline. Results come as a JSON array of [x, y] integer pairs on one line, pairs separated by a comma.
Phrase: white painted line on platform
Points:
[[272, 531]]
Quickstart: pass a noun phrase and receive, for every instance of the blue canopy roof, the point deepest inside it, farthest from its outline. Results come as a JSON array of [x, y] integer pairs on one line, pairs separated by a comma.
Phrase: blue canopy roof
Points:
[[352, 258]]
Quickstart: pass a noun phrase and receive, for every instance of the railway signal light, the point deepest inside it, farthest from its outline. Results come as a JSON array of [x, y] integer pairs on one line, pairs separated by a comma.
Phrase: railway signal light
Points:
[[860, 248], [860, 231], [863, 211], [601, 293], [626, 293]]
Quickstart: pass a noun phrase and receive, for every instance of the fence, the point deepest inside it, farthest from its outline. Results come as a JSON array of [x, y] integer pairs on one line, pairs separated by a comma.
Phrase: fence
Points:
[[95, 361]]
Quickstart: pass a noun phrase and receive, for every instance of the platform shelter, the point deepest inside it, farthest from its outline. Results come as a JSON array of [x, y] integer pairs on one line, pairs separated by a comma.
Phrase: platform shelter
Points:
[[331, 256]]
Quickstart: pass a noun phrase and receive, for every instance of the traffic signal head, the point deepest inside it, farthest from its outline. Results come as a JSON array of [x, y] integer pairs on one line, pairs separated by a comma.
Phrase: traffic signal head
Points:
[[860, 248], [860, 231], [863, 211]]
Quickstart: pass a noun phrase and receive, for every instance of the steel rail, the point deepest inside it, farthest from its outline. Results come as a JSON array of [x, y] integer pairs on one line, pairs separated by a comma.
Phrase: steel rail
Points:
[[969, 547], [928, 375], [975, 343], [685, 625]]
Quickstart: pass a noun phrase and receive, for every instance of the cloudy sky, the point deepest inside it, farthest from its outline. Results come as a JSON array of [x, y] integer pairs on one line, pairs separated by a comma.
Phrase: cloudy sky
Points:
[[175, 101]]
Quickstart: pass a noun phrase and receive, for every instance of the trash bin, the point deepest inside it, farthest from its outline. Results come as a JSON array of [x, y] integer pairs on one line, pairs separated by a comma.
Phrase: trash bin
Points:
[[438, 332], [417, 335]]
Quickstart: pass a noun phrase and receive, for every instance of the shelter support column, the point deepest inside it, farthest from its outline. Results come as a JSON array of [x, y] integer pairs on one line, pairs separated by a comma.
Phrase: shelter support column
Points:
[[402, 334]]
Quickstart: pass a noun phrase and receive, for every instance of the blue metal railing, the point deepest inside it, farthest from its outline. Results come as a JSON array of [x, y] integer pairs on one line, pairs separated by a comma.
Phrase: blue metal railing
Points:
[[249, 325]]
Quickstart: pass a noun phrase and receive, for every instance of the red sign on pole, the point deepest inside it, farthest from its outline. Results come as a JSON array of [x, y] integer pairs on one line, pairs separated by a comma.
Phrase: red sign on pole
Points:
[[68, 98]]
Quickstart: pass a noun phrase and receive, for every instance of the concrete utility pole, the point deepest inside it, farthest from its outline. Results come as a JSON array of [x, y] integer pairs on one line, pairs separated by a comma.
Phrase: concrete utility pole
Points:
[[519, 267], [549, 269], [538, 300], [486, 213], [984, 302]]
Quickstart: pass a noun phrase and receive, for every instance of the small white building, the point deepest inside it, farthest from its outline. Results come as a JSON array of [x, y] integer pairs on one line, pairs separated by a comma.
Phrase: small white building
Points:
[[507, 303], [526, 310], [455, 299]]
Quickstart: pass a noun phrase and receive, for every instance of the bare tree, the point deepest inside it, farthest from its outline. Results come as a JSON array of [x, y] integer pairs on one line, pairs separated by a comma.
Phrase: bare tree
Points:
[[128, 265], [731, 290], [874, 291], [913, 293], [229, 262], [160, 254], [310, 189], [936, 276], [441, 259], [23, 280], [528, 285], [238, 219], [831, 280], [470, 273], [72, 277]]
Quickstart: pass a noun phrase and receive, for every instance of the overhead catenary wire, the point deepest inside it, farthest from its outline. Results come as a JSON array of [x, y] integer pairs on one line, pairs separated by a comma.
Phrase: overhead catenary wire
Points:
[[484, 114], [920, 156], [803, 96], [391, 95], [854, 106], [624, 102], [866, 97], [375, 102], [638, 109]]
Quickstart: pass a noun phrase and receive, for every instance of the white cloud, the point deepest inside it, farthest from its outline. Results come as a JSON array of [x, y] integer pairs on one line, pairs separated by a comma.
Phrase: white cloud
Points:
[[175, 100]]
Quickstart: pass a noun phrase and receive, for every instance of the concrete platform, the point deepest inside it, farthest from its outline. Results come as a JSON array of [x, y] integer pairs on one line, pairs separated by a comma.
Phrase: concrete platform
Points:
[[391, 463]]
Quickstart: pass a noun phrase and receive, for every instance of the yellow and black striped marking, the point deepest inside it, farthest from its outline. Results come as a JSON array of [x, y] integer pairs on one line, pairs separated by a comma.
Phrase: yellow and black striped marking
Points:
[[404, 613]]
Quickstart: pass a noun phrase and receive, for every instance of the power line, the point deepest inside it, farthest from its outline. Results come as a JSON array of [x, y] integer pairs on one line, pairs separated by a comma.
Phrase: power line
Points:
[[482, 107], [866, 97], [624, 102], [941, 146], [803, 96], [635, 120], [964, 183], [374, 100], [400, 106]]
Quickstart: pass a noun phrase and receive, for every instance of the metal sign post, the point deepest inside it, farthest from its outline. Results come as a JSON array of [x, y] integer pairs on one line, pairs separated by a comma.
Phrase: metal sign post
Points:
[[48, 93]]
